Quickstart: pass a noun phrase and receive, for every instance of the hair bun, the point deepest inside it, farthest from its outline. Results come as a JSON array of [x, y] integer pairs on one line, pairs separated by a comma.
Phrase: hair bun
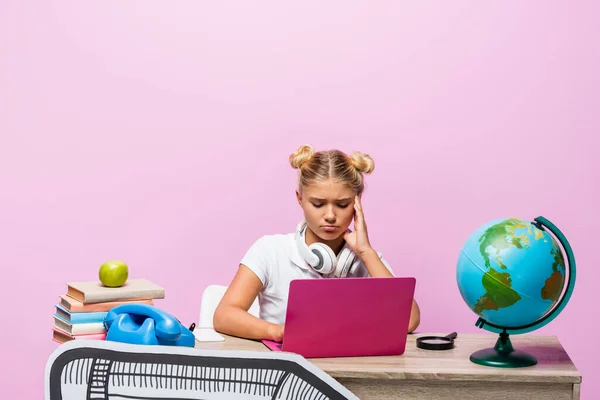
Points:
[[300, 156], [362, 162]]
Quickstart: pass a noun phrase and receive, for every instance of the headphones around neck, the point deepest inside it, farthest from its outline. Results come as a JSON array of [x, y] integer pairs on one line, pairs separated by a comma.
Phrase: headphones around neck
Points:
[[323, 260]]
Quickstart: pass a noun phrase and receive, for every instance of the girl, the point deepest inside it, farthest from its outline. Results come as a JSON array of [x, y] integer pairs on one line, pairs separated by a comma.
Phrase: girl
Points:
[[329, 189]]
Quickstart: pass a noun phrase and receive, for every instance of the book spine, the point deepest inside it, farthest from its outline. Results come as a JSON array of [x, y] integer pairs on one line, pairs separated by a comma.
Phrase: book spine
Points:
[[77, 307], [64, 336], [87, 317], [92, 298], [86, 329], [78, 329], [80, 317]]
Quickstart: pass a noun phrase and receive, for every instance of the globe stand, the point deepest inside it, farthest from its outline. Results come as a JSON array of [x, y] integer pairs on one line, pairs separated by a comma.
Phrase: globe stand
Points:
[[503, 355]]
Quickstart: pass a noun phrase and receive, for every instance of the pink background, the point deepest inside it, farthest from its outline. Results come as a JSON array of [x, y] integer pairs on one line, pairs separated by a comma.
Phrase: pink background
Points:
[[159, 135]]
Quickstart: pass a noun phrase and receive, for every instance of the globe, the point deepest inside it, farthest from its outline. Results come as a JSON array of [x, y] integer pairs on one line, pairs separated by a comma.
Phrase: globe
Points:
[[512, 274]]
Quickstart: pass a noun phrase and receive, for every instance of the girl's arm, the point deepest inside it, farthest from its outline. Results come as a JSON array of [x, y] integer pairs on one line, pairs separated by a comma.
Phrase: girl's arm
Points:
[[377, 268], [359, 242], [231, 315]]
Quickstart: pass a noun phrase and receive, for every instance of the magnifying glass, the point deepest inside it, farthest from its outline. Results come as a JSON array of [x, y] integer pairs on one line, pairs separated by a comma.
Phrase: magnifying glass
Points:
[[437, 342]]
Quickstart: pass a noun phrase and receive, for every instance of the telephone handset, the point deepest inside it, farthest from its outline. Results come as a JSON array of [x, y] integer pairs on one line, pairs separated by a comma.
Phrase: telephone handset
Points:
[[146, 324]]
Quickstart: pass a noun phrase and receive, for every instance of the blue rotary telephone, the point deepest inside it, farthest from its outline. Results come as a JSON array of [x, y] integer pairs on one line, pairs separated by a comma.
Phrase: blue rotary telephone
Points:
[[146, 324]]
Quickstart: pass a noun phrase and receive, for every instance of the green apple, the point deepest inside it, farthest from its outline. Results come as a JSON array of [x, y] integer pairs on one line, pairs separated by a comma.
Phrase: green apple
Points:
[[113, 273]]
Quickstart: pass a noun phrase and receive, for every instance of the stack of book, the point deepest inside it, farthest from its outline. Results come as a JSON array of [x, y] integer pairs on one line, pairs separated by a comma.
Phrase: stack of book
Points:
[[80, 312]]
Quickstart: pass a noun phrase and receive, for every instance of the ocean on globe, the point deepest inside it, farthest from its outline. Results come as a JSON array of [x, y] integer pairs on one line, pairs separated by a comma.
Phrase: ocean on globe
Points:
[[510, 272]]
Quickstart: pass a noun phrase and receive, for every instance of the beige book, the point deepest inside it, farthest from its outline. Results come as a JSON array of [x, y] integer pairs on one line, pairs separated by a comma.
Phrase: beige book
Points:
[[74, 305], [89, 292]]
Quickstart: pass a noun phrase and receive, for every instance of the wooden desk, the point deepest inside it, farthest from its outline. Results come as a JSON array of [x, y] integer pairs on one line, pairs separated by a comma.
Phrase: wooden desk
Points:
[[436, 375]]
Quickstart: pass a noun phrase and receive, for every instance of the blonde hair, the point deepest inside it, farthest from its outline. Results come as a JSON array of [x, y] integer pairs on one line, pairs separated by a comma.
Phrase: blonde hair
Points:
[[322, 165]]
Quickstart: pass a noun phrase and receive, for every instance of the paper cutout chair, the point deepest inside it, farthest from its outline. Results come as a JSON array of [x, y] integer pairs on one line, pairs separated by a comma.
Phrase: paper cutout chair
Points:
[[96, 369], [212, 295]]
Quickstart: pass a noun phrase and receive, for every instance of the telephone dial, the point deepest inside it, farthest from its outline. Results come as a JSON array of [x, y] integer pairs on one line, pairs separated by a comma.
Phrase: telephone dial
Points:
[[146, 324]]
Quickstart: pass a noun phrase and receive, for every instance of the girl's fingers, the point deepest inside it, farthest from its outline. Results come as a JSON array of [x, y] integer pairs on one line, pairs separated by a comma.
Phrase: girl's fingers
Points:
[[359, 216]]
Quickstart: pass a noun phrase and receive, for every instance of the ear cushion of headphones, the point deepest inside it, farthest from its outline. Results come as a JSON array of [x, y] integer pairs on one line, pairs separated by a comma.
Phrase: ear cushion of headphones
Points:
[[346, 263], [308, 256], [327, 259]]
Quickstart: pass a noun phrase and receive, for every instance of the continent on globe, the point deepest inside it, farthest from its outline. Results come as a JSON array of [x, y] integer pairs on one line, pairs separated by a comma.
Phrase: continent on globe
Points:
[[501, 236], [498, 292], [554, 284], [498, 285]]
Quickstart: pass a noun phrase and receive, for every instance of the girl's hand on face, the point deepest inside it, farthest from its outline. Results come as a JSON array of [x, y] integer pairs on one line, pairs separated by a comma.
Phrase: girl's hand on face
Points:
[[358, 240]]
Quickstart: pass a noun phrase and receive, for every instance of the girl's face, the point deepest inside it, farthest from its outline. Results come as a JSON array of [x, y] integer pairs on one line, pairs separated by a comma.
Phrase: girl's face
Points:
[[328, 208]]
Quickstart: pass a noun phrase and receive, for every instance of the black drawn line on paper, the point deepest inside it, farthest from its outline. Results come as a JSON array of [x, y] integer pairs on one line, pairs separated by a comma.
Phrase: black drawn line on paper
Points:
[[266, 377]]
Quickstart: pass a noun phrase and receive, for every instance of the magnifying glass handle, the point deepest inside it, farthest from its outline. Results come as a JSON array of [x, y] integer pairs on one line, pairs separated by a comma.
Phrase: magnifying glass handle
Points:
[[451, 336]]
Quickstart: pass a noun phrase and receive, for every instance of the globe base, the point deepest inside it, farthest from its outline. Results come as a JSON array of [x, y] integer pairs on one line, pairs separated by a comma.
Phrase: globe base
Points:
[[503, 355]]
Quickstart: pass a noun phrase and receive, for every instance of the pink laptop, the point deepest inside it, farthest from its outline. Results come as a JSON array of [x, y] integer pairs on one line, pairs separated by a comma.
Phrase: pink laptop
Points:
[[347, 317]]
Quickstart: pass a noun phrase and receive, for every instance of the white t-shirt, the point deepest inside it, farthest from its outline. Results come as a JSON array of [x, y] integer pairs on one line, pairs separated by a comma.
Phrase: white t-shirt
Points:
[[276, 261]]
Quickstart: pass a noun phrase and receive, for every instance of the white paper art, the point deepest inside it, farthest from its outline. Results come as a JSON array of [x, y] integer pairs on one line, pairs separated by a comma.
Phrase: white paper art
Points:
[[94, 369]]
